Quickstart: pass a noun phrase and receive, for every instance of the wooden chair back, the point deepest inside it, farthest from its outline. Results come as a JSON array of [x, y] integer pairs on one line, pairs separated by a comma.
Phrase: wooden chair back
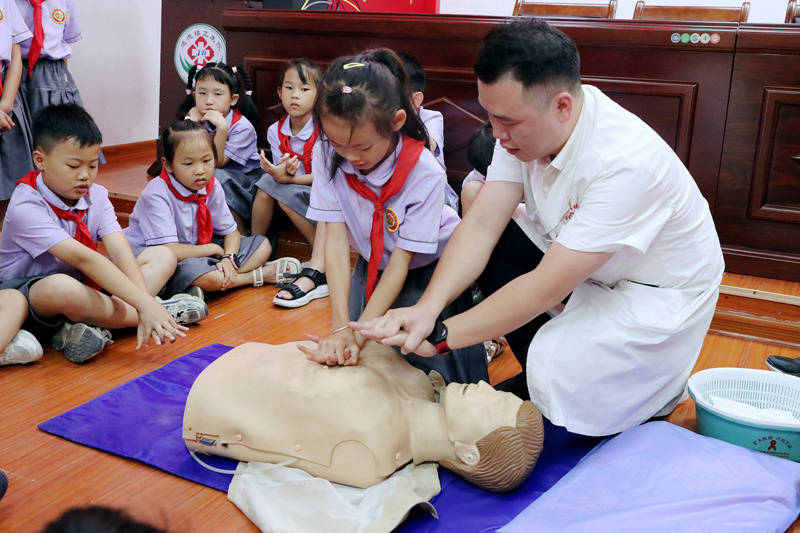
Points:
[[713, 13], [792, 12], [566, 10]]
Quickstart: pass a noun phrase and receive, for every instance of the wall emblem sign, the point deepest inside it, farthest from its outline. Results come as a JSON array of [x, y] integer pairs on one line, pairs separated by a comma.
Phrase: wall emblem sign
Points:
[[199, 44]]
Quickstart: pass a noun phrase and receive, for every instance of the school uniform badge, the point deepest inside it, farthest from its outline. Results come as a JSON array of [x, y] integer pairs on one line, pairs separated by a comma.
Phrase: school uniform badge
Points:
[[392, 220], [1, 15], [58, 16]]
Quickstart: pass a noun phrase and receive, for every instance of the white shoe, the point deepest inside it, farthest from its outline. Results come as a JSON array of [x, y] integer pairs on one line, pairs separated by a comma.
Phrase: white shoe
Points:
[[23, 349], [185, 308], [80, 342]]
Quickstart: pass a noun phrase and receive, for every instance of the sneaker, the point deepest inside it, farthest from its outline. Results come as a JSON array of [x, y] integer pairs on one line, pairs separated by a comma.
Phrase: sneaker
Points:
[[787, 365], [80, 342], [196, 291], [23, 349], [185, 308]]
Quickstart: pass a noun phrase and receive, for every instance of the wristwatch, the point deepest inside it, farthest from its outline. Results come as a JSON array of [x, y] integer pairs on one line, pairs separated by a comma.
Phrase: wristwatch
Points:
[[438, 338]]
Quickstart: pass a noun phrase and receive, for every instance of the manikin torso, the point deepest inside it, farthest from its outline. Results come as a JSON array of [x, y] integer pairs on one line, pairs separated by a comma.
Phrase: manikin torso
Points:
[[354, 425]]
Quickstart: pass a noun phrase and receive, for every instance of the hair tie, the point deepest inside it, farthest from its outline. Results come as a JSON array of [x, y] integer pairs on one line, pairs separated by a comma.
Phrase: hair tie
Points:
[[346, 89], [188, 92], [347, 66], [249, 93], [233, 68]]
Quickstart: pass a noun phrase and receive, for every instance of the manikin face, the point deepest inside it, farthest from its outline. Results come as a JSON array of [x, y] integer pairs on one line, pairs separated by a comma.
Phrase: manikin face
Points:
[[297, 97], [211, 95], [193, 164], [361, 144], [528, 124], [473, 411], [68, 169]]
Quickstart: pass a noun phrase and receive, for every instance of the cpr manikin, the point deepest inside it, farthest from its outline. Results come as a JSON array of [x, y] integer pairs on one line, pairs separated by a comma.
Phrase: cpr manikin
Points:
[[356, 425]]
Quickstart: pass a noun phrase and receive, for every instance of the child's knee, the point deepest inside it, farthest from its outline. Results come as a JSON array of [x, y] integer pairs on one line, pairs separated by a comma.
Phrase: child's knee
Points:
[[56, 291], [13, 300], [261, 196], [159, 255]]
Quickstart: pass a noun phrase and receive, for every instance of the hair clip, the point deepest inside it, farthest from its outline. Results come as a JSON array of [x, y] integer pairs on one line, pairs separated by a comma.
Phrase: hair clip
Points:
[[249, 93], [347, 66], [233, 68], [346, 89], [188, 92]]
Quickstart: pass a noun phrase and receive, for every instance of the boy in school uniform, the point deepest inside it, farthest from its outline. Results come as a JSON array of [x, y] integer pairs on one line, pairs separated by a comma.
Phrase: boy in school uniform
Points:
[[433, 120], [48, 252]]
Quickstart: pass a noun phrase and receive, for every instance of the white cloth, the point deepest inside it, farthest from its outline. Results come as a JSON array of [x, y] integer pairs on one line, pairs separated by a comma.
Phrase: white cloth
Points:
[[628, 338], [284, 499]]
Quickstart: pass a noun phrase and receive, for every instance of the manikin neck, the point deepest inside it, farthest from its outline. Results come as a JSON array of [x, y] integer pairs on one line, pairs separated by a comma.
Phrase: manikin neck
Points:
[[429, 440]]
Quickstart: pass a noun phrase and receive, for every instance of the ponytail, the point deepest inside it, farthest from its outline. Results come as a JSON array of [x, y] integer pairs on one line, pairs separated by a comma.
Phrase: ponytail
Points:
[[372, 85]]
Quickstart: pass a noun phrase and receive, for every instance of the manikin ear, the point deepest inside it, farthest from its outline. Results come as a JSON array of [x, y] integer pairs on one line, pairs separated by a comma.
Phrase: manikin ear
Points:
[[467, 453], [38, 159], [416, 99], [398, 120], [234, 99]]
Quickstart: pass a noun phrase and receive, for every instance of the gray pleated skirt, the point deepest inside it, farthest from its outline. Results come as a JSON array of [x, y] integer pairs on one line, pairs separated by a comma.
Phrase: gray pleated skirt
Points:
[[463, 365], [239, 189], [295, 197], [191, 268], [16, 147], [52, 84]]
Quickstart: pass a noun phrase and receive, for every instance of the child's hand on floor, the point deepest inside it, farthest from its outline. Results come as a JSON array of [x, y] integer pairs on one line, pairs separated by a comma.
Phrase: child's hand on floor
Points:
[[155, 322]]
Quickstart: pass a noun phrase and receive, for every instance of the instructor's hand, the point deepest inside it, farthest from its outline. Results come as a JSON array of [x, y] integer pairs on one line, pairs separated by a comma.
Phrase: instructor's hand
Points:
[[406, 327]]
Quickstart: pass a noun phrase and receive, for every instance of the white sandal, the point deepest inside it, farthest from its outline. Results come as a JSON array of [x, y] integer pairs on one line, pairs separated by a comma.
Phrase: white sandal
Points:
[[258, 276], [285, 267]]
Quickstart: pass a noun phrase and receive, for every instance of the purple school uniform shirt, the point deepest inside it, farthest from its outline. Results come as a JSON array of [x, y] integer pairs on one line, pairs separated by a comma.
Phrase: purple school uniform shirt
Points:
[[434, 123], [159, 218], [60, 25], [31, 228], [295, 141], [12, 30], [241, 145], [423, 222]]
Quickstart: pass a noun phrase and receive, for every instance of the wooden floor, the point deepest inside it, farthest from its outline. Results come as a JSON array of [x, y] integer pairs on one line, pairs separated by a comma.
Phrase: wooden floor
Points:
[[48, 474]]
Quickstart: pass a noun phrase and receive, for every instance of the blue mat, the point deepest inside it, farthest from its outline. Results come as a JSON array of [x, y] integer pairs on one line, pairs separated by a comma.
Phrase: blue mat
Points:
[[142, 420]]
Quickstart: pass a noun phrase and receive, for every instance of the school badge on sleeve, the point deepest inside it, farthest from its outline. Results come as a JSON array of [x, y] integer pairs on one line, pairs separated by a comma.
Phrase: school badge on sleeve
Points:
[[392, 220], [1, 15], [58, 16]]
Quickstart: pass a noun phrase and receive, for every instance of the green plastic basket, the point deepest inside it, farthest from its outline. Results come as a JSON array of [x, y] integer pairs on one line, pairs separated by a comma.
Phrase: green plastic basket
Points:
[[759, 388]]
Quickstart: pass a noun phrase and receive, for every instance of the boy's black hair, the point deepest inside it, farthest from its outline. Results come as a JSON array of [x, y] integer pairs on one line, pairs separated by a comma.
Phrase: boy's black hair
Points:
[[416, 74], [532, 51], [58, 123], [308, 71], [170, 138], [227, 75], [480, 148], [97, 519], [377, 87]]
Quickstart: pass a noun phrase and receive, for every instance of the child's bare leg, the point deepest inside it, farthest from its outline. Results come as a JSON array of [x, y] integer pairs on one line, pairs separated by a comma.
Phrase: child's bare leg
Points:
[[212, 281], [61, 294], [316, 236], [261, 214], [468, 193], [13, 311], [158, 263], [257, 258]]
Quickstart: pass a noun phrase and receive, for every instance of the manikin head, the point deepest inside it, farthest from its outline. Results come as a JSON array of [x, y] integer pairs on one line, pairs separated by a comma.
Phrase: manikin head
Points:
[[357, 425]]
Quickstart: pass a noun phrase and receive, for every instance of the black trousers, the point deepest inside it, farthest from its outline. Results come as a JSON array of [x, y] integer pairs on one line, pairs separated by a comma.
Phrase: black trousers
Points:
[[513, 256]]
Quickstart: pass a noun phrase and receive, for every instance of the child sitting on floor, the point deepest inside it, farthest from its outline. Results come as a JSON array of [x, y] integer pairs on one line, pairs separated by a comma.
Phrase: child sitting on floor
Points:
[[287, 178], [48, 251], [184, 209]]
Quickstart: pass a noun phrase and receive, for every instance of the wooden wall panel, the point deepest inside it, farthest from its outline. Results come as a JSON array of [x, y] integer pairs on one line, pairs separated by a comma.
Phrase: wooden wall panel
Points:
[[758, 205]]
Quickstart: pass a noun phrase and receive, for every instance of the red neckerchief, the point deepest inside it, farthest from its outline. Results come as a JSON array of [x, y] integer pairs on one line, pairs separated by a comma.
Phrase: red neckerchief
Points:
[[406, 161], [286, 146], [38, 36], [82, 233], [205, 227]]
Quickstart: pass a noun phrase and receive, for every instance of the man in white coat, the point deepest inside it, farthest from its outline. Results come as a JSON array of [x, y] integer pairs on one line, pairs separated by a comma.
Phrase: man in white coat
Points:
[[623, 229]]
